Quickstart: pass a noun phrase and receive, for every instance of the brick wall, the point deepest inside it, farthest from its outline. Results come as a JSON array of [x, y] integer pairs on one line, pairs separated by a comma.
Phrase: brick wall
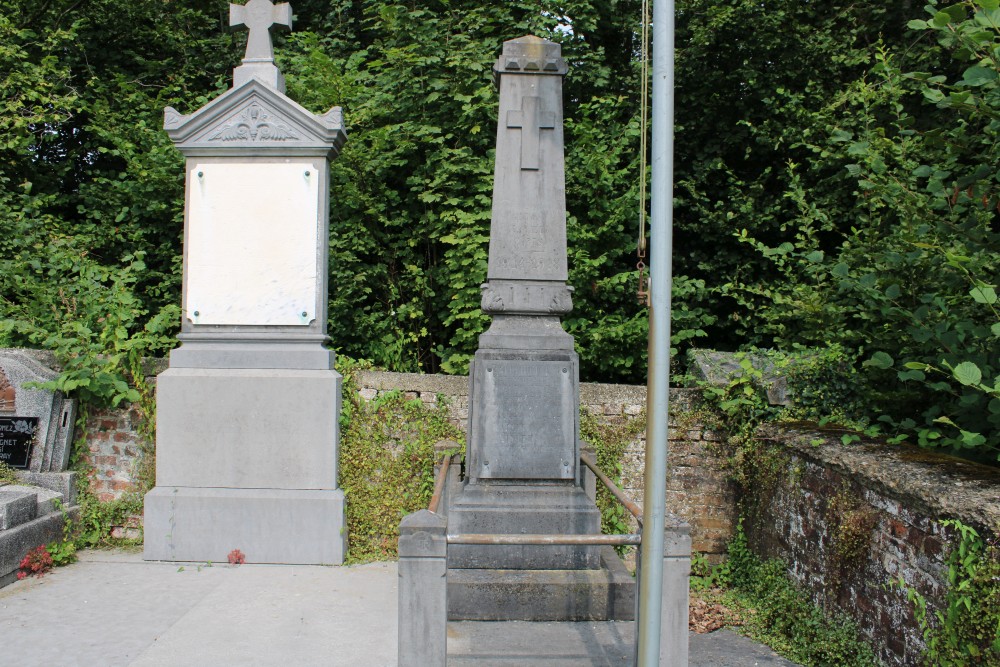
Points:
[[113, 449], [890, 500]]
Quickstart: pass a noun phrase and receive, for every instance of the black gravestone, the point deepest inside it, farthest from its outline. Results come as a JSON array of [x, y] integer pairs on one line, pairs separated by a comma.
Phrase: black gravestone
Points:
[[17, 435]]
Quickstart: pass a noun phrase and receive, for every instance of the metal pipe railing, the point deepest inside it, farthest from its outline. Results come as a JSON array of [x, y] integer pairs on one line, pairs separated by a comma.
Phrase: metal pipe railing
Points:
[[612, 488], [537, 539], [439, 480]]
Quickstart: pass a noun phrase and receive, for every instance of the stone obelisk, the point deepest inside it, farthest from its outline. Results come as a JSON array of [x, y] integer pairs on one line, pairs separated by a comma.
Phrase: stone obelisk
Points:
[[522, 468], [247, 413]]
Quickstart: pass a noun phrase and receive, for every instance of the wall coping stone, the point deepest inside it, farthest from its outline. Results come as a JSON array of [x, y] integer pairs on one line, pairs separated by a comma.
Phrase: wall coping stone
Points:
[[458, 385], [151, 365], [942, 485]]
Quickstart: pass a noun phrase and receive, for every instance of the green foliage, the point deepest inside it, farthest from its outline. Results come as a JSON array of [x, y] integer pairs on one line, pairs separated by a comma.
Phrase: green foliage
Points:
[[63, 552], [7, 474], [91, 205], [704, 576], [899, 268], [967, 630], [387, 464], [609, 440], [783, 617], [93, 529]]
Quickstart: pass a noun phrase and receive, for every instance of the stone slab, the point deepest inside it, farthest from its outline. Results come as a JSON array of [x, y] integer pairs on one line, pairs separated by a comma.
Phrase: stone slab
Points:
[[544, 595], [588, 644], [528, 227], [267, 525], [219, 352], [62, 483], [18, 504], [243, 428], [16, 542]]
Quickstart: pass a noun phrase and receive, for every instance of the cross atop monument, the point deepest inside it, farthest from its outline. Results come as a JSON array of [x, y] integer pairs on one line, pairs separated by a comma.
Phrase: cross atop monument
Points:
[[258, 16], [531, 120]]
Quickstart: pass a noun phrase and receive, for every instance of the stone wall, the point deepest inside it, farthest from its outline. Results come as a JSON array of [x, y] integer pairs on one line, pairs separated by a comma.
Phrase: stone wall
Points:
[[853, 520], [697, 487]]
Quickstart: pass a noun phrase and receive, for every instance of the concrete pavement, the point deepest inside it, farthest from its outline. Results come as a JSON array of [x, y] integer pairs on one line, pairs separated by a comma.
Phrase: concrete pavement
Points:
[[112, 609]]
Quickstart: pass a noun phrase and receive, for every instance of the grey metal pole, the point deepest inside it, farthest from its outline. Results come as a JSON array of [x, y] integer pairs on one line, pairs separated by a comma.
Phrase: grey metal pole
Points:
[[658, 392]]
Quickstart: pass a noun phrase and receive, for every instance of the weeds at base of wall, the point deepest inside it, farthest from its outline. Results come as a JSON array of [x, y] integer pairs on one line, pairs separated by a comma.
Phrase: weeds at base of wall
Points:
[[610, 440], [386, 462], [771, 609], [7, 474], [967, 630]]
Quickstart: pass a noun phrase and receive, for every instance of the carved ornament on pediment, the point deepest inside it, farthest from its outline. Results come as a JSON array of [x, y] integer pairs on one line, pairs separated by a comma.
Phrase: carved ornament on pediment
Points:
[[254, 124]]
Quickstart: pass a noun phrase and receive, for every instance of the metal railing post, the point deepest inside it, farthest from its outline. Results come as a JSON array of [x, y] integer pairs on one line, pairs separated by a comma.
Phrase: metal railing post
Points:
[[423, 590]]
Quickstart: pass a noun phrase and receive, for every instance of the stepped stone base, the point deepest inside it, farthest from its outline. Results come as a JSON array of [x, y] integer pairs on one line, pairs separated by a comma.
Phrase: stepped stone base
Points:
[[298, 527], [30, 517], [605, 594], [523, 508]]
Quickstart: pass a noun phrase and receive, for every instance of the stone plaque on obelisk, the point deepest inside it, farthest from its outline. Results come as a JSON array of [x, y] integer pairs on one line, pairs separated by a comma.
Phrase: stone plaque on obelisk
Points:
[[247, 414], [522, 468]]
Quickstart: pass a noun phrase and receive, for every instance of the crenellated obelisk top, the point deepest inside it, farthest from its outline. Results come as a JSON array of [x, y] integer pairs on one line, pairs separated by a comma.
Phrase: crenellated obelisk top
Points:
[[258, 17]]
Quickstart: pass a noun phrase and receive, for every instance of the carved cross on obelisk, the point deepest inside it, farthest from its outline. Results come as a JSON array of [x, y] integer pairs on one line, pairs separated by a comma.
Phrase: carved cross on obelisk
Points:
[[258, 17], [531, 120]]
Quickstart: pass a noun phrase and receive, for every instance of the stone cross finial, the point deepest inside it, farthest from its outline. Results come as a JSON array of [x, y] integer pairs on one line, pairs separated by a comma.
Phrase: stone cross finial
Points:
[[258, 16]]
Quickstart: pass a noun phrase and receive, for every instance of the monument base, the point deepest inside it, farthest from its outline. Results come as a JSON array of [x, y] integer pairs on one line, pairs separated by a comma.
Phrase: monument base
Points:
[[304, 527], [246, 459], [605, 594], [523, 509]]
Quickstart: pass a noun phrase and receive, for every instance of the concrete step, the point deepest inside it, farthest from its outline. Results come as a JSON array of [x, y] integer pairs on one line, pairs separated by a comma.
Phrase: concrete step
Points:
[[588, 644], [543, 595], [578, 644]]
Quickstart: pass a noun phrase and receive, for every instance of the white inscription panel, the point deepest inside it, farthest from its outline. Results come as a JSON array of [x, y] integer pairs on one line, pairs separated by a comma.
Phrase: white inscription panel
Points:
[[252, 243]]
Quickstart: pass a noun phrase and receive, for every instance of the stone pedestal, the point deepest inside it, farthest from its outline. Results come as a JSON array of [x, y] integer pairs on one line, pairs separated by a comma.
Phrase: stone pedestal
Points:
[[247, 413], [264, 443]]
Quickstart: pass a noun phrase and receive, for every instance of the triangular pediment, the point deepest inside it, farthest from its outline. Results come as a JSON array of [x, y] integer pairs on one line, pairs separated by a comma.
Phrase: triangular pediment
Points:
[[254, 119]]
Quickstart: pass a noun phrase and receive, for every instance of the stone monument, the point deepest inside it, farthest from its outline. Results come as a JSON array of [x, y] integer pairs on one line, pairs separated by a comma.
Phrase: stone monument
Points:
[[523, 472], [36, 425], [247, 412], [36, 436]]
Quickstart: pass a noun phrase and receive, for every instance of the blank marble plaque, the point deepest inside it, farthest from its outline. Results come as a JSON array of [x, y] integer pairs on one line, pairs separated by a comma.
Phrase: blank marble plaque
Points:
[[252, 243], [528, 419]]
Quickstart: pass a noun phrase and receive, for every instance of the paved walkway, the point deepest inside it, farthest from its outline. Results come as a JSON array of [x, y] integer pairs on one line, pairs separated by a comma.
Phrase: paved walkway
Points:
[[113, 609]]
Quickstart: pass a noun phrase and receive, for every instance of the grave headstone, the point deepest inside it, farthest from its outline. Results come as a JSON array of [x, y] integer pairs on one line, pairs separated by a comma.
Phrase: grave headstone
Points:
[[36, 425], [523, 457], [36, 435], [247, 412]]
